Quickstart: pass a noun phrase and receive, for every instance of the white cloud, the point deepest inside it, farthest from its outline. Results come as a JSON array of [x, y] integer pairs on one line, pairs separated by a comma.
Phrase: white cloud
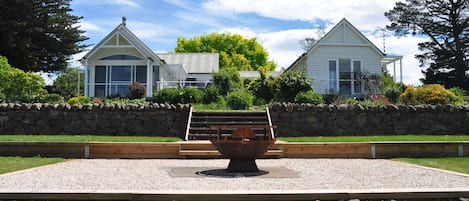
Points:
[[88, 26], [357, 11], [130, 3]]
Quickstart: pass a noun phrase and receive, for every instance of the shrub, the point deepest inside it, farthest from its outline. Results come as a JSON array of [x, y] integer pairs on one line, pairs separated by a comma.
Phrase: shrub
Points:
[[239, 100], [262, 87], [309, 97], [167, 95], [189, 95], [17, 85], [428, 94], [173, 96], [80, 100], [290, 83], [49, 98], [227, 80], [136, 90], [210, 94]]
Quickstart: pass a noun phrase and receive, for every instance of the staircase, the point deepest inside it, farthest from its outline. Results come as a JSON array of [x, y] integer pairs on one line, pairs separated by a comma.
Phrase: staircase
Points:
[[199, 132], [200, 122]]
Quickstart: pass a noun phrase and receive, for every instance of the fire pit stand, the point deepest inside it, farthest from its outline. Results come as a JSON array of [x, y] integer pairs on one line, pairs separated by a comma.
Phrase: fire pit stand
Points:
[[242, 146]]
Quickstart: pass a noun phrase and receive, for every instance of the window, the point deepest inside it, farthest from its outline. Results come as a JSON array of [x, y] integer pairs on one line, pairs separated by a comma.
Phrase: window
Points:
[[100, 74], [120, 57], [121, 73], [346, 75], [357, 83], [111, 80], [332, 77], [141, 74]]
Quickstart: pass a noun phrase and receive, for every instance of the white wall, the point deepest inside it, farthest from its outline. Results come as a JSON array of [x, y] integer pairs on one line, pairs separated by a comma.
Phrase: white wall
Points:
[[318, 66]]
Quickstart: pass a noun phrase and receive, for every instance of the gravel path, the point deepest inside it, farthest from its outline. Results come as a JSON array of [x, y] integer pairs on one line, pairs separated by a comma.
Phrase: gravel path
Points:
[[153, 175]]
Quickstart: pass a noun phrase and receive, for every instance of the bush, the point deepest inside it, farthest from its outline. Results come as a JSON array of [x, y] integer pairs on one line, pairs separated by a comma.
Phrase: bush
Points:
[[17, 85], [80, 100], [428, 94], [136, 90], [189, 95], [173, 96], [239, 100], [210, 94], [290, 83], [167, 95], [262, 87], [49, 98], [309, 97], [227, 80]]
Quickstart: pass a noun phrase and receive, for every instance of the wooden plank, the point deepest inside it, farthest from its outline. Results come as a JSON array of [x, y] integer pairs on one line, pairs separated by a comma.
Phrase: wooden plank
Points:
[[465, 151], [428, 149], [326, 150], [134, 150], [412, 194], [65, 150]]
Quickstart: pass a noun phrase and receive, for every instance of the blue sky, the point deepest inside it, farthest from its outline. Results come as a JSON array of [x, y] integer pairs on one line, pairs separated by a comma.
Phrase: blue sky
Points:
[[278, 25]]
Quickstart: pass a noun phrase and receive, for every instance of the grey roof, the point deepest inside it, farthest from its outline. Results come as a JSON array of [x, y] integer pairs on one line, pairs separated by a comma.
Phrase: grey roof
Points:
[[193, 62]]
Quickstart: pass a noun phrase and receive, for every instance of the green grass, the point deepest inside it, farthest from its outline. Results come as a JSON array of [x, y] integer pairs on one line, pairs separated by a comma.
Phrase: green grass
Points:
[[11, 164], [460, 164], [84, 138], [394, 138], [217, 107]]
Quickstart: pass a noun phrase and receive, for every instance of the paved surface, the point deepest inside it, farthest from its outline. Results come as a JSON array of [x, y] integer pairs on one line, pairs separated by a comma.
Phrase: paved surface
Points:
[[98, 175]]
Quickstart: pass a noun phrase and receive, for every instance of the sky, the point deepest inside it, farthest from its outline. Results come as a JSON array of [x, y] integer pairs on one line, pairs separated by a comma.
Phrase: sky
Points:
[[278, 25]]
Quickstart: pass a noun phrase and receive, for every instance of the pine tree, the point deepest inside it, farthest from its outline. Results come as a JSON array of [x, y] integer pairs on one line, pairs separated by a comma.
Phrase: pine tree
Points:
[[446, 24], [39, 35]]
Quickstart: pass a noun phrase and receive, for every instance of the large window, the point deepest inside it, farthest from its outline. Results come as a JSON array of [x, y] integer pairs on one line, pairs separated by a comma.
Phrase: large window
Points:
[[110, 80], [346, 75], [121, 73]]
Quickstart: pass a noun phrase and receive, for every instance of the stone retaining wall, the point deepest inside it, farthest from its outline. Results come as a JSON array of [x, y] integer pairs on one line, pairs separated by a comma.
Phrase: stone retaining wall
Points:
[[337, 120], [105, 119]]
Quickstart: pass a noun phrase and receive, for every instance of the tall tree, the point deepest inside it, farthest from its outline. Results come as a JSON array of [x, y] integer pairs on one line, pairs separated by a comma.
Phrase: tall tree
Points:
[[235, 51], [446, 23], [39, 35]]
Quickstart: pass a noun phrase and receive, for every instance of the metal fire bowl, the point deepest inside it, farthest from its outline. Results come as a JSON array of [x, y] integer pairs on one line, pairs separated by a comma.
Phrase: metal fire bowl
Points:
[[241, 149]]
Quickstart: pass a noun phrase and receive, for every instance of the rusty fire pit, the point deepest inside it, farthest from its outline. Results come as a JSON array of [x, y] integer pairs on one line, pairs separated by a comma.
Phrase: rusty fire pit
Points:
[[242, 147]]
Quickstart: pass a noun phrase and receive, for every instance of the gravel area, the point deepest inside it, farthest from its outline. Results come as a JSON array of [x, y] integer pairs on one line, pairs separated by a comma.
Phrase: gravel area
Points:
[[89, 175]]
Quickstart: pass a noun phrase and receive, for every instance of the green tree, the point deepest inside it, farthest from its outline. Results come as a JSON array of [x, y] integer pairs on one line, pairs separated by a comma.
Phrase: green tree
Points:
[[291, 83], [446, 24], [227, 80], [66, 83], [18, 86], [39, 35], [234, 50]]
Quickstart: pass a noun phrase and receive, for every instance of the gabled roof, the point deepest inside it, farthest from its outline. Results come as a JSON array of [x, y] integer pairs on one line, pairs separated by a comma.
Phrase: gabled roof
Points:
[[346, 23], [130, 37], [193, 62]]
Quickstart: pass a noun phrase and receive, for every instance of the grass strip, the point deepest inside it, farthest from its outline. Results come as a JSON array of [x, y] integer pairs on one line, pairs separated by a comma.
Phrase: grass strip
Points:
[[84, 138], [11, 164], [393, 138], [457, 164]]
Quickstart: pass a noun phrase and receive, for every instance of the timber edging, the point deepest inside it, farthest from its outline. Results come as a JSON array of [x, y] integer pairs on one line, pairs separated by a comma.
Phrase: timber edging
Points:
[[289, 150], [405, 194]]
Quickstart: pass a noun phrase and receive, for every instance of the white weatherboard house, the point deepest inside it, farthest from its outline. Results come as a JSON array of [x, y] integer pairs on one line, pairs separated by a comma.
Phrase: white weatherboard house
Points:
[[121, 58], [341, 59]]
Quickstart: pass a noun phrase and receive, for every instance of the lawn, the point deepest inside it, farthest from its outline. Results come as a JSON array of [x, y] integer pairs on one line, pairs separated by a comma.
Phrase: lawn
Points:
[[84, 138], [393, 138], [11, 164], [460, 164]]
